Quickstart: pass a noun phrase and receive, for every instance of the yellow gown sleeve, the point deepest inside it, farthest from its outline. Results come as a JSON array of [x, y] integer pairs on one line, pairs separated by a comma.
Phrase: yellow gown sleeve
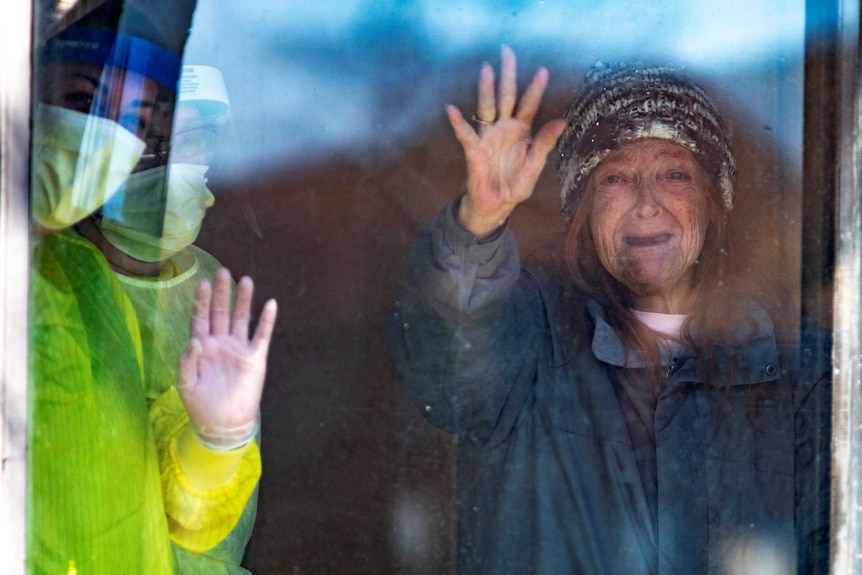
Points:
[[201, 512]]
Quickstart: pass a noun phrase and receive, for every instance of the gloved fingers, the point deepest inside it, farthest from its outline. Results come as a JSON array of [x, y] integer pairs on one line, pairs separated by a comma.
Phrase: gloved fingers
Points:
[[220, 312], [242, 310], [263, 333], [200, 321], [187, 371]]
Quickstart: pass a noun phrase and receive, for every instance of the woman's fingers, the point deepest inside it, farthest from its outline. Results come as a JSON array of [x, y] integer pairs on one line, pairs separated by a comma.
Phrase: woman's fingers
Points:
[[537, 154], [532, 97], [508, 90], [463, 130], [491, 110], [486, 110], [546, 138]]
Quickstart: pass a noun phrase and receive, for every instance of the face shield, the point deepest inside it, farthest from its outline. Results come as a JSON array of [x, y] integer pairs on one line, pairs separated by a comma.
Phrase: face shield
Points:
[[186, 141], [204, 131], [201, 121]]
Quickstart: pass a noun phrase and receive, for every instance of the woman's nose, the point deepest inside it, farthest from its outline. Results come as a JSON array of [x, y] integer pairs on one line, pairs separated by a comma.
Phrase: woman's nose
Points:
[[646, 200]]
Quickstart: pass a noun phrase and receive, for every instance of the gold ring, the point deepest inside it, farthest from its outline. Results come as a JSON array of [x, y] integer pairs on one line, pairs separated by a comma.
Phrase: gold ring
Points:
[[479, 120]]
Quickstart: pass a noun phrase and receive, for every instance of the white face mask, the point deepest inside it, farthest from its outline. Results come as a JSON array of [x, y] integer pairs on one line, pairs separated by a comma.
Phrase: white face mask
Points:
[[133, 227], [79, 163]]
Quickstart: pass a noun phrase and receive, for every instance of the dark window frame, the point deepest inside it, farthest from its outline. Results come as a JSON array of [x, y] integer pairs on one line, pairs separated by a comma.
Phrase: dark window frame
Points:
[[832, 256]]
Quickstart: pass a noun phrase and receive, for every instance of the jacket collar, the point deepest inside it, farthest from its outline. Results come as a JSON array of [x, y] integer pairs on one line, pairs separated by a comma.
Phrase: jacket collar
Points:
[[753, 350]]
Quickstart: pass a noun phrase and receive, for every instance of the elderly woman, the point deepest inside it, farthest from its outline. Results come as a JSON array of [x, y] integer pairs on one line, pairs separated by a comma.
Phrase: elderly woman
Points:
[[634, 413]]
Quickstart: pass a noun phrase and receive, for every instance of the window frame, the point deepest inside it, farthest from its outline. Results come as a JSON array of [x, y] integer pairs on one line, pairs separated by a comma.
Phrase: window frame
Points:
[[843, 152], [15, 110], [846, 526]]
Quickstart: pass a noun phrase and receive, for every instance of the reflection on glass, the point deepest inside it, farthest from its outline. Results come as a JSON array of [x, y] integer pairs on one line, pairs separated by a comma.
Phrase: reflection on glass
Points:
[[633, 406], [341, 138], [335, 127]]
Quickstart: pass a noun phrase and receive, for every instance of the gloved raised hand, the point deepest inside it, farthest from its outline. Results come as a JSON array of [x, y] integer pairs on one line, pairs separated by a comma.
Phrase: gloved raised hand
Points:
[[221, 373]]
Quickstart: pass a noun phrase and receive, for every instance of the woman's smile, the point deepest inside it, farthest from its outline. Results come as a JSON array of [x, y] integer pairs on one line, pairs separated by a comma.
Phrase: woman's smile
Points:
[[647, 241]]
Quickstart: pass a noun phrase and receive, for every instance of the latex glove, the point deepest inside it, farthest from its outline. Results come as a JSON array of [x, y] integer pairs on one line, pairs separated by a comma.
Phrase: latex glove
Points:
[[503, 161], [221, 373]]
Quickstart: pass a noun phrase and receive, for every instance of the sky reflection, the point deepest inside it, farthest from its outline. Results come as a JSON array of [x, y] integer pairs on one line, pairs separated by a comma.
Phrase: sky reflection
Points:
[[312, 81]]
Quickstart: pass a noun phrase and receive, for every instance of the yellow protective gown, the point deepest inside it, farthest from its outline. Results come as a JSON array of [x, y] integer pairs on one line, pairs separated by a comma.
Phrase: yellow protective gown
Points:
[[106, 494], [163, 306]]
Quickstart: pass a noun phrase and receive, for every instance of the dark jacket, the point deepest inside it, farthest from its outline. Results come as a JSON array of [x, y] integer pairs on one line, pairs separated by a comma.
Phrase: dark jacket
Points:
[[565, 467]]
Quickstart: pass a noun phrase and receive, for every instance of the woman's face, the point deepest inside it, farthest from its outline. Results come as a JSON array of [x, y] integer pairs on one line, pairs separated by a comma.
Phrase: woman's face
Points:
[[648, 217]]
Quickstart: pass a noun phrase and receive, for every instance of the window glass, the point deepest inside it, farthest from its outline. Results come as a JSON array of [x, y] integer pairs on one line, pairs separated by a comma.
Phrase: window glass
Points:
[[315, 141]]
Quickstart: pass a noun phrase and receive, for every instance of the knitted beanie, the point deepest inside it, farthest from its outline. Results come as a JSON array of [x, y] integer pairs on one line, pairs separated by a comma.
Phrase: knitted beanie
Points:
[[619, 105]]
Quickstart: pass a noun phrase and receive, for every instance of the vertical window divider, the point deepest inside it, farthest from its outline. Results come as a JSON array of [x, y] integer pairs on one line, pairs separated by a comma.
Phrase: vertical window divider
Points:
[[847, 329], [15, 106]]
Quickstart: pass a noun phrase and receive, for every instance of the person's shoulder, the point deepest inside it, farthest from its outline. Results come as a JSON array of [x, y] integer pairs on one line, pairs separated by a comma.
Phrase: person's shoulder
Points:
[[67, 242], [804, 337], [568, 312], [554, 284], [204, 258], [812, 341], [806, 353], [68, 254]]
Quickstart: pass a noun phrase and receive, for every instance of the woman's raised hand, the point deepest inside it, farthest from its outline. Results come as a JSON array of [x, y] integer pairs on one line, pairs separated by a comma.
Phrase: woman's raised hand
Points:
[[503, 161]]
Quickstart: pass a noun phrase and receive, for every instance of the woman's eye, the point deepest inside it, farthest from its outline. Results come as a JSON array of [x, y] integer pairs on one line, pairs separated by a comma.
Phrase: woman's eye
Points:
[[676, 175], [613, 179]]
